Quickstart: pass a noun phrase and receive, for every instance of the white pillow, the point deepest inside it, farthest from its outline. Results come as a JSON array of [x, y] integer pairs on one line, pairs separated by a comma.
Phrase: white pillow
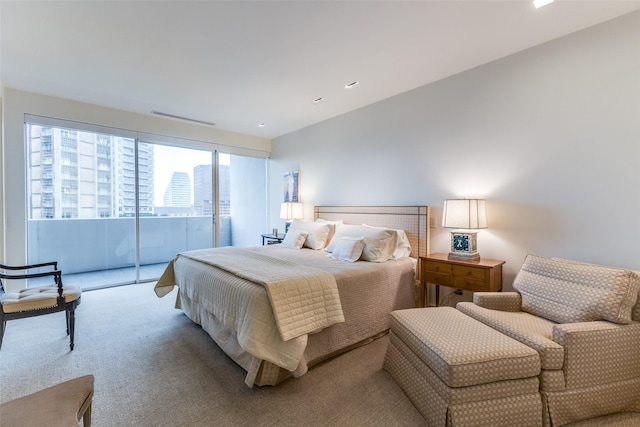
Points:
[[348, 249], [294, 239], [380, 243], [332, 227], [317, 233], [403, 247]]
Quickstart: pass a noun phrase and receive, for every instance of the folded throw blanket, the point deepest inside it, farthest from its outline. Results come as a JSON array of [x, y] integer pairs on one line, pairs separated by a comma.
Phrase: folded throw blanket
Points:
[[303, 299]]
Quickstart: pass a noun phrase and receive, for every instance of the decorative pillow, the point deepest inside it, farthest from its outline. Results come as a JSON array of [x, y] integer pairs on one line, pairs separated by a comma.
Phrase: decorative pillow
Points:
[[348, 249], [380, 243], [294, 239], [317, 233], [635, 311], [403, 247], [332, 228], [568, 291]]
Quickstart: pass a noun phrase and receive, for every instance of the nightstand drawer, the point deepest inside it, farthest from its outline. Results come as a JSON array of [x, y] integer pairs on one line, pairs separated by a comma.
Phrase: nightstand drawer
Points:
[[437, 278], [436, 267], [484, 275], [469, 284], [469, 272]]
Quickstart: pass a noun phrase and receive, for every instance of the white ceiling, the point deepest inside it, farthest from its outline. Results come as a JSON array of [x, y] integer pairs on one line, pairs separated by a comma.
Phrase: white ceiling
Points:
[[241, 63]]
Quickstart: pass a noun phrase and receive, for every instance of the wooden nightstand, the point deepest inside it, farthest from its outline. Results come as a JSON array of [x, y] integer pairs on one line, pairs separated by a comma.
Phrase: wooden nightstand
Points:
[[484, 275]]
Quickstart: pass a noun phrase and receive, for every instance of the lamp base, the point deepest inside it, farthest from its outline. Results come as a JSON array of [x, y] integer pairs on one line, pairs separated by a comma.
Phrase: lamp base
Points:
[[464, 257], [464, 245]]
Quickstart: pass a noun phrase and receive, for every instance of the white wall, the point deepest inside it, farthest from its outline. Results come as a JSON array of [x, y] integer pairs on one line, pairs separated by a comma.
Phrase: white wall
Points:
[[549, 136], [17, 103]]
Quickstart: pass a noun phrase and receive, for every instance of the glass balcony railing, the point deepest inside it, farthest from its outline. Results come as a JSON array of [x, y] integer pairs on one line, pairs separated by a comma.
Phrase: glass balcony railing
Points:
[[95, 253]]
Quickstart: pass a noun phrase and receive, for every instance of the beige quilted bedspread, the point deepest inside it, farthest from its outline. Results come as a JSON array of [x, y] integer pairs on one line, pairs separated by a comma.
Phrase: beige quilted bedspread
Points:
[[303, 299], [234, 309]]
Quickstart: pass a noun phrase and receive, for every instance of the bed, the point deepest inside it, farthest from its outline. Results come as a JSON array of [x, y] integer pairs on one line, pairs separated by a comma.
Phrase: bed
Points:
[[277, 311]]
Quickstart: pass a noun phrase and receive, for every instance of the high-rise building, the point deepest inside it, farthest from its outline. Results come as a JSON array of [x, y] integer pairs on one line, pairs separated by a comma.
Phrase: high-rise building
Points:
[[202, 190], [145, 178], [78, 174], [178, 192], [224, 190], [124, 186]]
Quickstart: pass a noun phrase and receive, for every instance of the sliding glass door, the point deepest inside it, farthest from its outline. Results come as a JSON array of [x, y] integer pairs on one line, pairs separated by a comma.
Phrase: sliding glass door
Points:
[[113, 209], [81, 203], [183, 202]]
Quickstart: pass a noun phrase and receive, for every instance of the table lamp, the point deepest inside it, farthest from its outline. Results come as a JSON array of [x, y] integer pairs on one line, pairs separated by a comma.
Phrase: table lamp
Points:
[[290, 211], [465, 215]]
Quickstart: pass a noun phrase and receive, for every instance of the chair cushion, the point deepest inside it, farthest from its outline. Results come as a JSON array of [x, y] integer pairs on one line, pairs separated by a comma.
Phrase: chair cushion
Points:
[[635, 311], [461, 351], [533, 331], [567, 292], [36, 298]]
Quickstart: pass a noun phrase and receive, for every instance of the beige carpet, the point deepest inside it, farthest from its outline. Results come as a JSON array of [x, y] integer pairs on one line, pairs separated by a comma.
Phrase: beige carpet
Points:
[[154, 367]]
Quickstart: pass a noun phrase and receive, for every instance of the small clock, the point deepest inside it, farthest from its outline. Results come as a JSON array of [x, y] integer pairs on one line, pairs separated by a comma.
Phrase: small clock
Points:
[[464, 245]]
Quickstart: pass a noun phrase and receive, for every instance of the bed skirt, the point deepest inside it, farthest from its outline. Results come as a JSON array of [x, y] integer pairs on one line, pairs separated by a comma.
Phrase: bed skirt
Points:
[[321, 346]]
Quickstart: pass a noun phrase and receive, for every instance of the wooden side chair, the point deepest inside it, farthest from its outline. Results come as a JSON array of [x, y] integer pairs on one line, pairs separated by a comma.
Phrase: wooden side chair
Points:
[[61, 405], [38, 300]]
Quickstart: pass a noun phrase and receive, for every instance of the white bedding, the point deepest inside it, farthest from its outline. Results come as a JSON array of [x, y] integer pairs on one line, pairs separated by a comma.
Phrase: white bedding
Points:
[[299, 299], [244, 307], [303, 299]]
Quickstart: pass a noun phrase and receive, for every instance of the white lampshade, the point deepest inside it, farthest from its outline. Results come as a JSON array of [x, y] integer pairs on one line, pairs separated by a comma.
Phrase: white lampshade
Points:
[[539, 3], [291, 210], [467, 214]]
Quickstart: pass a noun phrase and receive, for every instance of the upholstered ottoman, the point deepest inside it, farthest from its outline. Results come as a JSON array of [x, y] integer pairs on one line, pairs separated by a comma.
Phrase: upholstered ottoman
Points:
[[61, 405], [460, 372]]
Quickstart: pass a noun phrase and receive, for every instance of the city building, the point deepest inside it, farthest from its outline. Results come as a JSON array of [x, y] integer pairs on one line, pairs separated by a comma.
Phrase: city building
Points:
[[202, 190], [178, 192], [85, 175]]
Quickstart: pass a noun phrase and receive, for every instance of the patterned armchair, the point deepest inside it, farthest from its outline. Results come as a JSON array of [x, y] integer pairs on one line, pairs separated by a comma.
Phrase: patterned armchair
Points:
[[584, 321]]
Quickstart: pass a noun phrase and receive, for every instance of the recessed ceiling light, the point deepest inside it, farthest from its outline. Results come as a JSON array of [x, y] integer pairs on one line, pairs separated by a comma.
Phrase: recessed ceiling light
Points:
[[317, 100], [539, 3], [351, 85]]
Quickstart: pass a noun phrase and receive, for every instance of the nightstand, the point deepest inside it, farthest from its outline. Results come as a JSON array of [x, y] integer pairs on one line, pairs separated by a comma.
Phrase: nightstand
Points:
[[484, 275], [272, 239]]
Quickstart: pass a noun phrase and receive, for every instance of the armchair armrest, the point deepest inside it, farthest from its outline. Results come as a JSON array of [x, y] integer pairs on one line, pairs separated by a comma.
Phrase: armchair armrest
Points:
[[502, 301], [598, 352]]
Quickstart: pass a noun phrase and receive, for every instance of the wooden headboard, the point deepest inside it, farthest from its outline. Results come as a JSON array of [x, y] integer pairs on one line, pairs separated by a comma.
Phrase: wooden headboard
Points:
[[414, 220]]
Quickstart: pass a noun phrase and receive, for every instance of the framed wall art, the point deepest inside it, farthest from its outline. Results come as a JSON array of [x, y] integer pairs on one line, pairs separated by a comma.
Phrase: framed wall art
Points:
[[292, 186]]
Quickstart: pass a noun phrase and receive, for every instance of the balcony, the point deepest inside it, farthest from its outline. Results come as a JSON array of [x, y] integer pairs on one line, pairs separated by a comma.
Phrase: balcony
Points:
[[97, 253]]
